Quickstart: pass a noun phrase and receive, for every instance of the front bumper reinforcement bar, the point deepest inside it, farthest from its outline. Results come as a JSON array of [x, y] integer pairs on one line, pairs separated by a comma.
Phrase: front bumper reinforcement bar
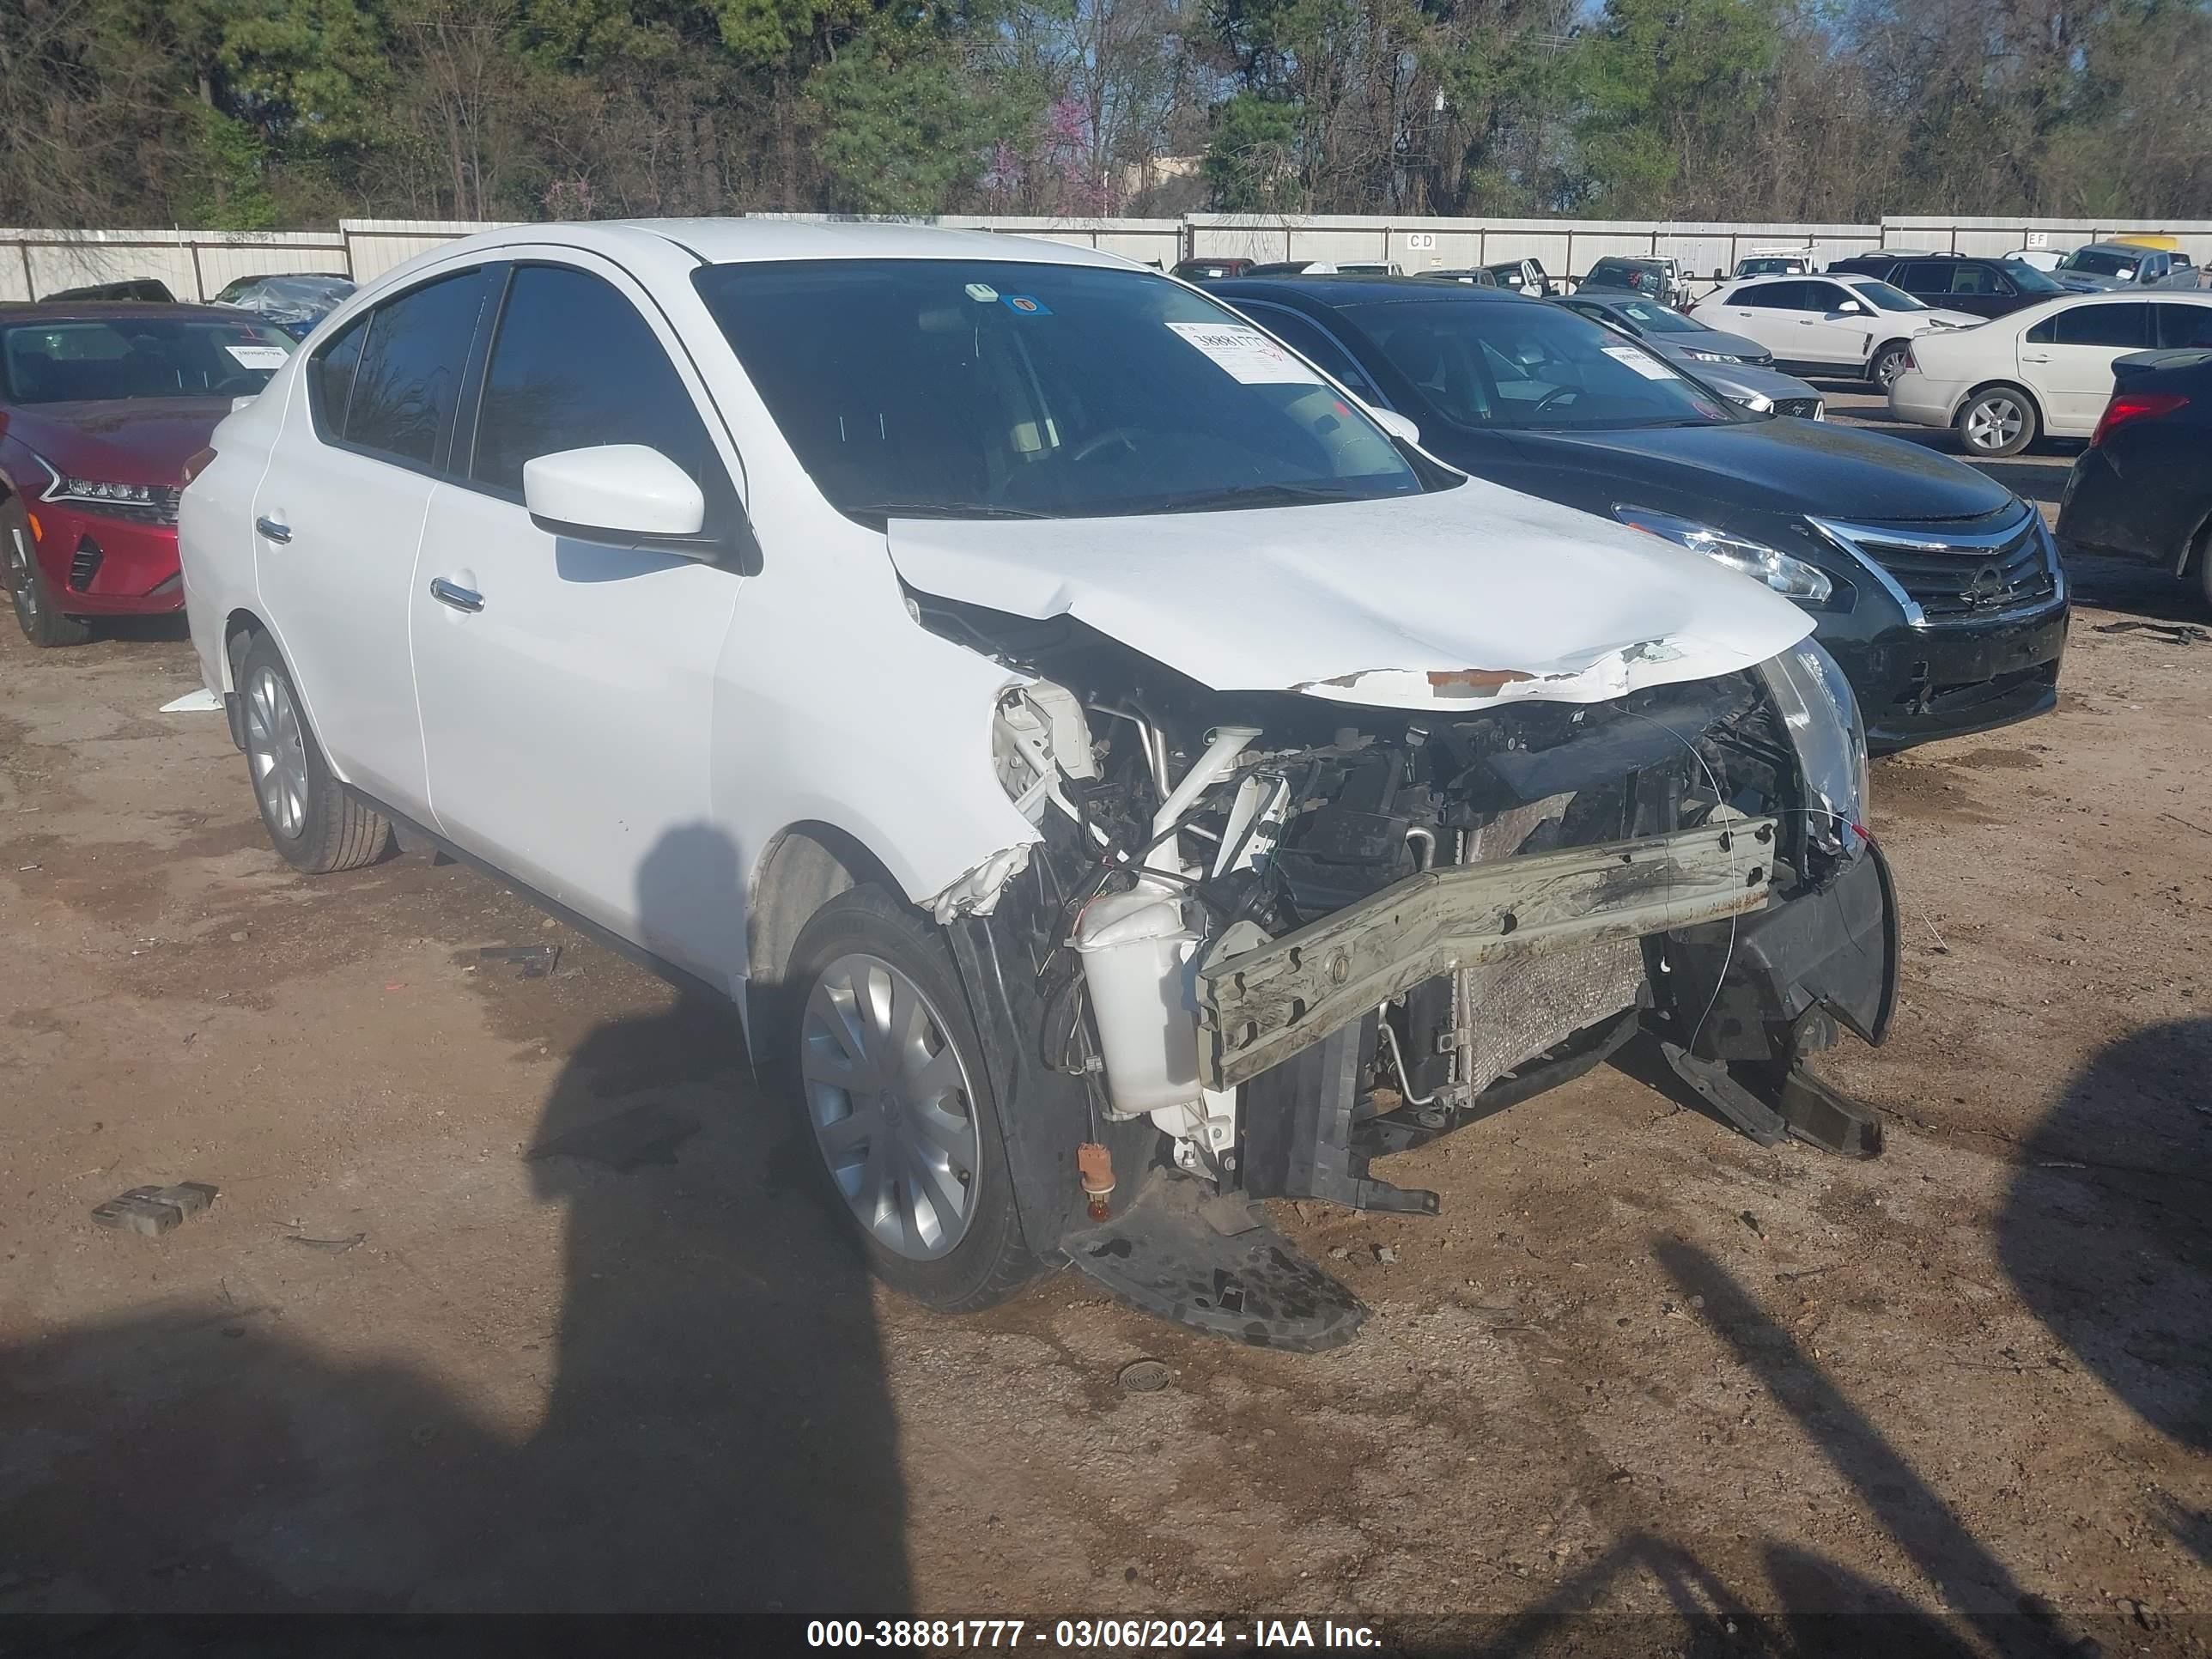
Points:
[[1259, 1008]]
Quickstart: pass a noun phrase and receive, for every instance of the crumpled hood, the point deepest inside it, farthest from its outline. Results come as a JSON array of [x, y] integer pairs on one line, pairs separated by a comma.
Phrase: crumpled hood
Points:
[[1458, 599]]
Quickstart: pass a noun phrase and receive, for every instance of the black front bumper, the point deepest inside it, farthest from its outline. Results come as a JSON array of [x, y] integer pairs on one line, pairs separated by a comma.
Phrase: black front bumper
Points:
[[1946, 680]]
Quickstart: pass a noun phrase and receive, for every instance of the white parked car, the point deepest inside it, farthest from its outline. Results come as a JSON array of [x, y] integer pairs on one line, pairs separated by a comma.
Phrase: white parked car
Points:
[[1827, 326], [1113, 776], [2046, 370], [2044, 259]]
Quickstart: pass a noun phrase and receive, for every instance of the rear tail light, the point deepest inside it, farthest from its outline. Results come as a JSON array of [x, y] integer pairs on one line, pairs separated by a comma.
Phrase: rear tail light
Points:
[[2133, 406], [1910, 364], [197, 465]]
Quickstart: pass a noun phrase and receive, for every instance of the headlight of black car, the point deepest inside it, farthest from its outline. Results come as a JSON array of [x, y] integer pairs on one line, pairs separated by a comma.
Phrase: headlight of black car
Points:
[[1793, 578]]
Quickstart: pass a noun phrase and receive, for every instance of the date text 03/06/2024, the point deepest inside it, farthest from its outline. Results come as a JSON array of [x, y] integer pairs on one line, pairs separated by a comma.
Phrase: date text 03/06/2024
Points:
[[1254, 1635]]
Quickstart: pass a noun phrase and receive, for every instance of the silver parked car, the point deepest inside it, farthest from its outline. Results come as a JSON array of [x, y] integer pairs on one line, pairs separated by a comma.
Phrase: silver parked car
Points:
[[1740, 370]]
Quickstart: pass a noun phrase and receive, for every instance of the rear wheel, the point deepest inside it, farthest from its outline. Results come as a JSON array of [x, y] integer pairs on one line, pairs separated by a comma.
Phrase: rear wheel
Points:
[[33, 597], [893, 1091], [314, 823], [1888, 363], [1998, 420], [2200, 563]]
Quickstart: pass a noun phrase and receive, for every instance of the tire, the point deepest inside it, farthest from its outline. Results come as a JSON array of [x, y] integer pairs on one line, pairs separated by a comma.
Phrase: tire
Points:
[[1995, 422], [1887, 364], [312, 822], [33, 596], [2201, 564], [877, 1146]]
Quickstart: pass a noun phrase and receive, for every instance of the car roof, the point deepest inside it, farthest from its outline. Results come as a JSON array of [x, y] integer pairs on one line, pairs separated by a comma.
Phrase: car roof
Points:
[[108, 311], [1353, 289], [736, 241]]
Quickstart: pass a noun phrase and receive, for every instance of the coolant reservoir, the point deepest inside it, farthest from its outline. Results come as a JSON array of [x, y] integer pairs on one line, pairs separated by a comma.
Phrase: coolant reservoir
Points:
[[1135, 948]]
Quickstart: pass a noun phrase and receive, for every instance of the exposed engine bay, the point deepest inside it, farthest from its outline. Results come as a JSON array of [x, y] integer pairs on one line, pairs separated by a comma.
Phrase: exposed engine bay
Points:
[[1290, 934]]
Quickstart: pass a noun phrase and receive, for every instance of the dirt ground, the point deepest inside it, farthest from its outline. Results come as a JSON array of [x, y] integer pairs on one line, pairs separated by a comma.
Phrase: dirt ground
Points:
[[1641, 1384]]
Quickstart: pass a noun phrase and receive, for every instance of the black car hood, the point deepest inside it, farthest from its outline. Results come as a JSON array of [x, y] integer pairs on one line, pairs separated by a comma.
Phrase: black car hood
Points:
[[1787, 466]]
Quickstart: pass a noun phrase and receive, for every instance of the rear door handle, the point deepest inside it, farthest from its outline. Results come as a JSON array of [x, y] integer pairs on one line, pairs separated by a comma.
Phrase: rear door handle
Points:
[[273, 531], [2025, 358], [452, 593]]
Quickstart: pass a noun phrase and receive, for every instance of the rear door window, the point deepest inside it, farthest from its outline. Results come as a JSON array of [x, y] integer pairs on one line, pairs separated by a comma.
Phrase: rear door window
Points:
[[575, 366], [1928, 276], [2184, 325], [2125, 325], [409, 379], [1777, 296]]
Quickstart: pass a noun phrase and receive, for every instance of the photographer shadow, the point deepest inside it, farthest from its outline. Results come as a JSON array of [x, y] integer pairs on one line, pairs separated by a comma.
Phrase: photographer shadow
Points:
[[717, 1436]]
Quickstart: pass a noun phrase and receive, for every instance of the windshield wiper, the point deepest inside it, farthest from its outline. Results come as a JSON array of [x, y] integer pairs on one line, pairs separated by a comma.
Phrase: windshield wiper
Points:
[[1264, 494], [941, 510]]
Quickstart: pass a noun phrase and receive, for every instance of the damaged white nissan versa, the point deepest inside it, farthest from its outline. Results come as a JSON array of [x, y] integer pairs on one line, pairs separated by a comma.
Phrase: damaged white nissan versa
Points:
[[1116, 779]]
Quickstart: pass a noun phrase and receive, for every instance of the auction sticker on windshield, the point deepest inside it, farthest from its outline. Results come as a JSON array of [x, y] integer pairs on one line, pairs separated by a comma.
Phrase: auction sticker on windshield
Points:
[[1648, 368], [257, 356], [1246, 354]]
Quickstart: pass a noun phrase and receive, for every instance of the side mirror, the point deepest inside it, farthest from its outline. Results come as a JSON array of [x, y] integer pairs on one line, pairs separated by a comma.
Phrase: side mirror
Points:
[[626, 494], [1392, 422], [1851, 308], [1719, 276]]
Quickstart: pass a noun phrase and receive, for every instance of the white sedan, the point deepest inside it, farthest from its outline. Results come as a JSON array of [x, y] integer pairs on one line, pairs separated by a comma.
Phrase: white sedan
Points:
[[983, 662], [2044, 370], [1828, 325]]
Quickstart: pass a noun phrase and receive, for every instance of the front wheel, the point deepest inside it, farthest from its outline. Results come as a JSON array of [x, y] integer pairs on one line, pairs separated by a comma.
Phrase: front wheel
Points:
[[314, 823], [1999, 422], [1888, 363], [893, 1091], [34, 597]]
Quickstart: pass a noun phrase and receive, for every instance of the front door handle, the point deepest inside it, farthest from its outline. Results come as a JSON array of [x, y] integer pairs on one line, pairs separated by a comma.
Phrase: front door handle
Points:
[[272, 530], [452, 593], [2025, 358]]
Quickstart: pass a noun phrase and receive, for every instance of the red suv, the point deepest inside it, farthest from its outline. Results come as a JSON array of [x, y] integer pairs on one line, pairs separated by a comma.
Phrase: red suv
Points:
[[100, 406]]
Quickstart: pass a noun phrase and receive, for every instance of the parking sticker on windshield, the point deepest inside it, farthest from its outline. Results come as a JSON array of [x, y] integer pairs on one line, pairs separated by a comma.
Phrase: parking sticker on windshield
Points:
[[1246, 355], [1648, 367], [1025, 305], [259, 356]]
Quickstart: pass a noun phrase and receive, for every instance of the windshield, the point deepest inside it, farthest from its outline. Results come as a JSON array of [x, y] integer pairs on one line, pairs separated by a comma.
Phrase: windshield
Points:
[[2097, 262], [2028, 279], [1885, 296], [137, 357], [1658, 318], [1534, 367], [964, 388]]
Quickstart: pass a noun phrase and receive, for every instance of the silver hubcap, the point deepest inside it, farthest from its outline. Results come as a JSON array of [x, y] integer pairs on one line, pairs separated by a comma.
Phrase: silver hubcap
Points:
[[1994, 423], [1889, 367], [277, 750], [890, 1106]]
